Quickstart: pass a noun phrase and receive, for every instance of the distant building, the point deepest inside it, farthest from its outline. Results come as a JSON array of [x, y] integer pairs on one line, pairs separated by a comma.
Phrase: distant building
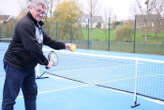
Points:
[[153, 22], [6, 18], [95, 20], [150, 20]]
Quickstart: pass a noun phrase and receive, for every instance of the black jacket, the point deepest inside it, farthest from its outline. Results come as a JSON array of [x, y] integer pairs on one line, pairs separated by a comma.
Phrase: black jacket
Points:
[[24, 51]]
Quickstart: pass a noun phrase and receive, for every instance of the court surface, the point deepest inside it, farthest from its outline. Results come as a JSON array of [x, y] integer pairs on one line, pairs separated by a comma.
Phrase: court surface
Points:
[[84, 72]]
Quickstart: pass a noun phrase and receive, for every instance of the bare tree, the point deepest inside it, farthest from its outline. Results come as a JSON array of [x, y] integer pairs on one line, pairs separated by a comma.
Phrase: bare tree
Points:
[[50, 4], [144, 17], [23, 4], [155, 7], [50, 7], [93, 10], [148, 9], [107, 14], [1, 12], [107, 19]]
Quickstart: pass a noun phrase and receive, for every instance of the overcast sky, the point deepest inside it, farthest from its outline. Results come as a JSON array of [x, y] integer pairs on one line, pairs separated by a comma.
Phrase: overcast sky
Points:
[[119, 8]]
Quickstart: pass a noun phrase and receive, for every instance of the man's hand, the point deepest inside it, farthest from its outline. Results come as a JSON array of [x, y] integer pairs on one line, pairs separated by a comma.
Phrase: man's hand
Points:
[[50, 63], [70, 46]]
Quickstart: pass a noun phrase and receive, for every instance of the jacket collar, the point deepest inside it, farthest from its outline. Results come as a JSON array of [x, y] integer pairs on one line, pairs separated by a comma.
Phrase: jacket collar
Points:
[[31, 17]]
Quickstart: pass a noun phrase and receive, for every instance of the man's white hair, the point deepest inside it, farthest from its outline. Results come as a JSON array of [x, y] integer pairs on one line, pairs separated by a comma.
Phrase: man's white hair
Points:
[[33, 3]]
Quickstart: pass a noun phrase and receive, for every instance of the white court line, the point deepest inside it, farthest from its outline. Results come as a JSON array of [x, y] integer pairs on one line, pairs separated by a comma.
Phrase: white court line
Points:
[[114, 80], [83, 85], [55, 90], [144, 98], [106, 56]]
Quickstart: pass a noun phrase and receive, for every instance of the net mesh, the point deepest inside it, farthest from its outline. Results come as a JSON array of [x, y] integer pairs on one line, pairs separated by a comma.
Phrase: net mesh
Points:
[[116, 72], [107, 70]]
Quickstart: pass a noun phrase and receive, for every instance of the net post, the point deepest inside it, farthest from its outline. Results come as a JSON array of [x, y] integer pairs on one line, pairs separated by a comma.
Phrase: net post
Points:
[[135, 87]]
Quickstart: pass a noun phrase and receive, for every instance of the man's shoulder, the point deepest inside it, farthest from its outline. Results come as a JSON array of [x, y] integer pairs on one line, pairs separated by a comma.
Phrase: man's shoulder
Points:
[[25, 22]]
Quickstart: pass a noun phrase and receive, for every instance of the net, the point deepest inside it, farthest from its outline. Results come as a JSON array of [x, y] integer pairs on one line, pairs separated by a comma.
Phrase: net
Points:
[[143, 77], [138, 76]]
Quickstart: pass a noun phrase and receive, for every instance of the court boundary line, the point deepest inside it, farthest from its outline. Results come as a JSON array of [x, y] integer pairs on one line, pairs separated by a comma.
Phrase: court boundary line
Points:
[[156, 100], [83, 85], [124, 92], [104, 55], [55, 90], [116, 80]]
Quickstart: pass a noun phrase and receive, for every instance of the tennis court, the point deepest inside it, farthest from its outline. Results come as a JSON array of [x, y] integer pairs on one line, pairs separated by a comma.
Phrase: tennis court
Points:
[[97, 80]]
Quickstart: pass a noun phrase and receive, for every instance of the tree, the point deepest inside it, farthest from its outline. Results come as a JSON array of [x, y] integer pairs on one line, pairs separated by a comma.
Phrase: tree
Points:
[[155, 7], [107, 20], [149, 8], [93, 10], [124, 32], [68, 13], [51, 4], [98, 25]]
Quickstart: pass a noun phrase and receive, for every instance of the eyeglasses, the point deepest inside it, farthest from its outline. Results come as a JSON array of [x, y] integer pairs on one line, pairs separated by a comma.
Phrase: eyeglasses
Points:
[[40, 12]]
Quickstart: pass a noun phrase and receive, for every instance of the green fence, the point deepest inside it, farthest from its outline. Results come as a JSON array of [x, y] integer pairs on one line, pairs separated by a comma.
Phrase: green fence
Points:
[[111, 36]]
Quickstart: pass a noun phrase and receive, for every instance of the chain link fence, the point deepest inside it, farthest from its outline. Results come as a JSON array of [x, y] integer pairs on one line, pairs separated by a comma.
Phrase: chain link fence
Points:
[[144, 34]]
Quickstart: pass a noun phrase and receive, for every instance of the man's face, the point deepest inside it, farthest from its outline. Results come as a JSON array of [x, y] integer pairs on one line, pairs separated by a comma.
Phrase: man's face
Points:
[[38, 12]]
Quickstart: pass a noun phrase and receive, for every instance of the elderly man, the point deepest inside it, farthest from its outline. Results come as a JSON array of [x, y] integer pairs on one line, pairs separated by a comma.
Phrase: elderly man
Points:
[[23, 54]]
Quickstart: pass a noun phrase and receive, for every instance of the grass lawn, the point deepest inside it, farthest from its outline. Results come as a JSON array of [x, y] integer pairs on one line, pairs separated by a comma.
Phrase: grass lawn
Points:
[[102, 34], [98, 34], [154, 45]]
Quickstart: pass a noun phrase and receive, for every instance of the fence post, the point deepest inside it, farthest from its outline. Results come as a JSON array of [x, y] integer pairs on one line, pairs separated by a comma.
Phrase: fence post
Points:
[[88, 35], [56, 30], [134, 42], [109, 34], [0, 31], [71, 37]]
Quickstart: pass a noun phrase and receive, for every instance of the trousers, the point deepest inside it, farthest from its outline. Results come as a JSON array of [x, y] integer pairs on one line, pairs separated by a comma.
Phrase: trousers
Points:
[[16, 80]]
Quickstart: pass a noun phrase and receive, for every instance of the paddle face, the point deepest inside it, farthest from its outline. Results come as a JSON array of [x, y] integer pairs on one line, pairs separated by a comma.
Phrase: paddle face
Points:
[[52, 57]]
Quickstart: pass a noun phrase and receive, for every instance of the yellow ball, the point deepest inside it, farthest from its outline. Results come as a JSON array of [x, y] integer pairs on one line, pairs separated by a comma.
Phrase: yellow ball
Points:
[[73, 47]]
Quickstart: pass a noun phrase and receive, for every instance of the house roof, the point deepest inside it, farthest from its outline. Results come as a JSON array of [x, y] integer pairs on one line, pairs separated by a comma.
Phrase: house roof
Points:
[[6, 18], [3, 17], [84, 18], [152, 17]]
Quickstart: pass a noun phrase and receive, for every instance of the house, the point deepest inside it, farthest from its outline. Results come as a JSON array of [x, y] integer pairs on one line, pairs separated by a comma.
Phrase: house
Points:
[[6, 18], [153, 22], [3, 18], [96, 19], [148, 20]]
